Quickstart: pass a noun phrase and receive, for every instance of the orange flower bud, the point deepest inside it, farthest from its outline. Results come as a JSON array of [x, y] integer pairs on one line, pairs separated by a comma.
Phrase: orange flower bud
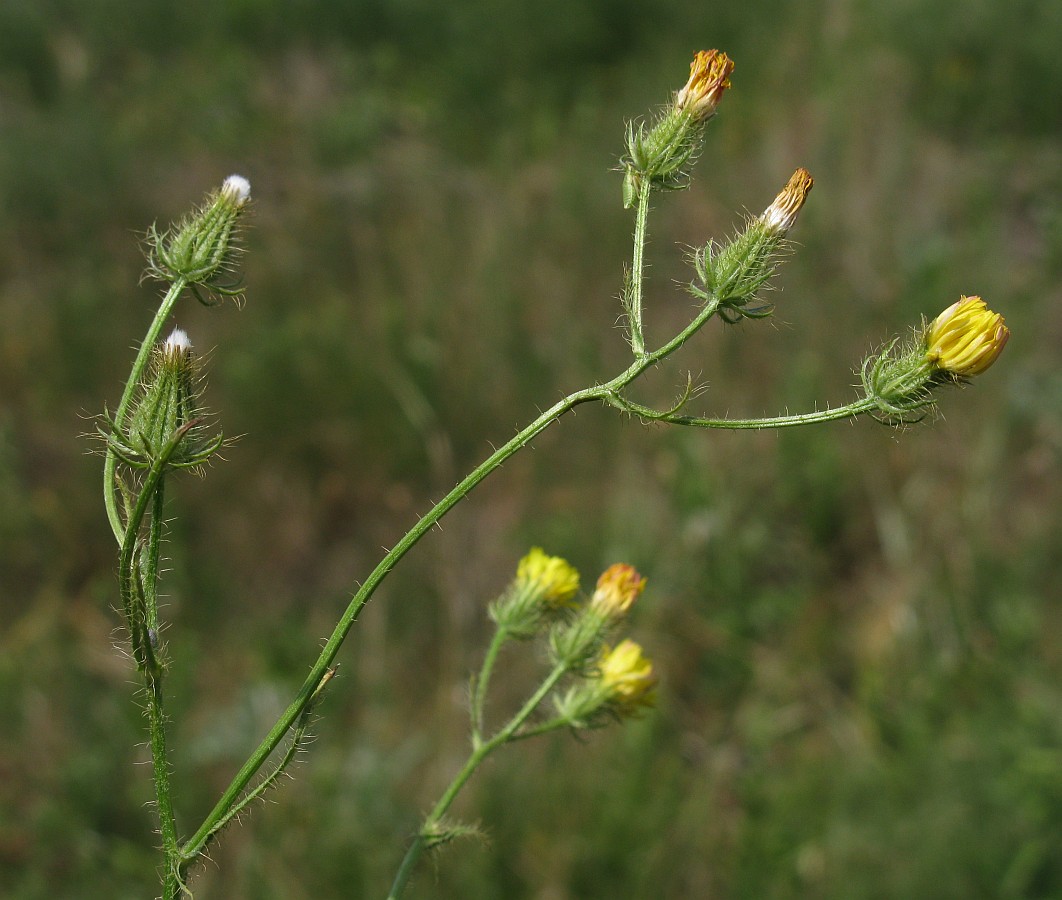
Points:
[[709, 77]]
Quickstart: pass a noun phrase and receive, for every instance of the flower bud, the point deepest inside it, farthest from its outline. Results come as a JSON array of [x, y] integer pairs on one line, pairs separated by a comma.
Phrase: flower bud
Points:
[[201, 247], [543, 585], [551, 578], [627, 675], [709, 78], [621, 684], [576, 642], [961, 342], [167, 419], [966, 338], [617, 589], [781, 215], [732, 275], [663, 153]]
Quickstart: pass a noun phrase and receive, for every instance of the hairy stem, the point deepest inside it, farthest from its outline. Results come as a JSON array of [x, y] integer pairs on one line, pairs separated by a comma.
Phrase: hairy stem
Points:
[[139, 601], [636, 287], [110, 463], [195, 845], [429, 832], [160, 768], [847, 411]]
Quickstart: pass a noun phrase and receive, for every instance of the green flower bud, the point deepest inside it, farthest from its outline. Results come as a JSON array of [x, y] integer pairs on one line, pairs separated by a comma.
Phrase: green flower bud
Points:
[[200, 248], [734, 273], [662, 153], [167, 419]]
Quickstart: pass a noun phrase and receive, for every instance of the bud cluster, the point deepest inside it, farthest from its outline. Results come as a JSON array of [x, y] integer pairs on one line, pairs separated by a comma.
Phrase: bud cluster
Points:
[[615, 681], [541, 599]]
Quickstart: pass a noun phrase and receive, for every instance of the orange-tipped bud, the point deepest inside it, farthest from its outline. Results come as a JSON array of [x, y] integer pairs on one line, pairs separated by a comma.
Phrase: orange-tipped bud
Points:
[[782, 214], [709, 78]]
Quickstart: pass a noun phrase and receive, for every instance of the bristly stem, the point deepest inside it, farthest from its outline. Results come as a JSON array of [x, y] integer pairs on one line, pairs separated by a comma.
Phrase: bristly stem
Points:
[[161, 772], [138, 585], [195, 845], [430, 832], [847, 411], [110, 463], [608, 391], [636, 287]]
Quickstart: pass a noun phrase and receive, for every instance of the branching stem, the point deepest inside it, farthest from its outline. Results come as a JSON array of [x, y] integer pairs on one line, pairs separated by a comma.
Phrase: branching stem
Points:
[[608, 391], [431, 832]]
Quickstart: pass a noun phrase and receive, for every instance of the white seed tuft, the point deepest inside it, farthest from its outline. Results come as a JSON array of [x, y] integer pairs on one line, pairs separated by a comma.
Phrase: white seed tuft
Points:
[[178, 340], [237, 189]]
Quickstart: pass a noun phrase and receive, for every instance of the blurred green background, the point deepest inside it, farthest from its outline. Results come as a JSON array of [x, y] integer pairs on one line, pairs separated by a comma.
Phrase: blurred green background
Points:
[[857, 629]]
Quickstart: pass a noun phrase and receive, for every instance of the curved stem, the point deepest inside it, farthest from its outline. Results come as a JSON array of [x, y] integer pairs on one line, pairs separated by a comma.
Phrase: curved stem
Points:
[[198, 841], [110, 462], [608, 391], [195, 845]]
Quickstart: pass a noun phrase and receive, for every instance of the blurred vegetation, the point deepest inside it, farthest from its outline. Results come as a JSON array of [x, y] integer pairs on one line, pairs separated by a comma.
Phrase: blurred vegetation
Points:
[[857, 630]]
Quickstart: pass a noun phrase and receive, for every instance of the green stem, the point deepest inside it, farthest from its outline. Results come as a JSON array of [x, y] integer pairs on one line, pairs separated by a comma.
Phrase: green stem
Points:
[[542, 728], [110, 462], [264, 784], [195, 845], [197, 842], [153, 673], [141, 610], [848, 411], [479, 695], [161, 769], [427, 832], [135, 602], [637, 282], [151, 567]]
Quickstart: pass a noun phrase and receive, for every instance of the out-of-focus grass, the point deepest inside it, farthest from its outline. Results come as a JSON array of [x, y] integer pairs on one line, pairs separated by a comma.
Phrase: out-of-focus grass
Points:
[[856, 629]]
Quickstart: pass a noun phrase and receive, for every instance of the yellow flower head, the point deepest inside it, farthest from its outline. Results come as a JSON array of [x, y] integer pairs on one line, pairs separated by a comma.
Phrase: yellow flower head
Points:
[[966, 338], [617, 589], [627, 676], [709, 77], [553, 580], [781, 215]]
